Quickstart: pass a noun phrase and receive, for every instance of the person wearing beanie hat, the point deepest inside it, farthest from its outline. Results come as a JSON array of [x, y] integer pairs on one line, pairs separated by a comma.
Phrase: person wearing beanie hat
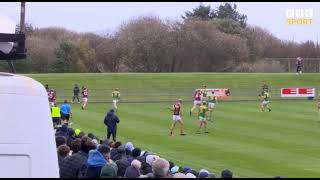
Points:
[[110, 170], [174, 169], [204, 174], [77, 132], [226, 174], [194, 172], [186, 170]]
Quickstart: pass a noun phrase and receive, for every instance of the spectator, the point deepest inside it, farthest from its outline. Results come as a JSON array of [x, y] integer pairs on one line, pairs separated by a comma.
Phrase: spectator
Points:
[[134, 154], [145, 167], [81, 134], [97, 158], [133, 170], [122, 161], [151, 158], [129, 148], [75, 166], [60, 140], [195, 173], [56, 116], [109, 171], [62, 131], [111, 121], [76, 145], [77, 132], [71, 136], [160, 168], [114, 150], [121, 153], [90, 135], [205, 174], [226, 174], [63, 152]]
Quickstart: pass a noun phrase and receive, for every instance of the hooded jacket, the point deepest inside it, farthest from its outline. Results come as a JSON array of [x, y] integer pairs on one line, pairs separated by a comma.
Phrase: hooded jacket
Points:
[[95, 162], [111, 121]]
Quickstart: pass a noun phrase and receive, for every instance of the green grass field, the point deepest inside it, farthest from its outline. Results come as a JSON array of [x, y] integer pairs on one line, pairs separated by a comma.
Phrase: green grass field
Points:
[[251, 143]]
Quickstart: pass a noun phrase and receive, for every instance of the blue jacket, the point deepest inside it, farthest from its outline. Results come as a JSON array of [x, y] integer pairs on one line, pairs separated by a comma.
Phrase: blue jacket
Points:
[[111, 121], [94, 164]]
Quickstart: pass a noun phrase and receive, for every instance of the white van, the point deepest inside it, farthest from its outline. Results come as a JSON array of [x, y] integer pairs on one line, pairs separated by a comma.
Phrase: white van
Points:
[[27, 140]]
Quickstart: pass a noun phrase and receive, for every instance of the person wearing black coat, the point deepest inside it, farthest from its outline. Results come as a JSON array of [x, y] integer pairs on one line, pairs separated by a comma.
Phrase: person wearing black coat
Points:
[[111, 121]]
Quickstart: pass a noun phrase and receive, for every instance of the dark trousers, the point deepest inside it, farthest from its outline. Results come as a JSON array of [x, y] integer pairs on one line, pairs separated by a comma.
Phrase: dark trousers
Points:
[[74, 97], [299, 68], [113, 135]]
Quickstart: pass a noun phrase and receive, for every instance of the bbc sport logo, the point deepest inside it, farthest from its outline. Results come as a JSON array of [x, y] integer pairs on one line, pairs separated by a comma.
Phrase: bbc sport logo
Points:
[[299, 16]]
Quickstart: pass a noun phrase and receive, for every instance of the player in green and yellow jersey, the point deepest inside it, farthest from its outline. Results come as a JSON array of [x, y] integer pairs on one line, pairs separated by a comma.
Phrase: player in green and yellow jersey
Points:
[[203, 115], [212, 101], [115, 98], [204, 93], [265, 96]]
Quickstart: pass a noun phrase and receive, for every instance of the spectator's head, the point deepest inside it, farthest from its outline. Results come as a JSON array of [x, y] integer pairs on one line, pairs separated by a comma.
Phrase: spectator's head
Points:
[[121, 150], [65, 101], [111, 144], [186, 170], [179, 175], [136, 152], [87, 144], [55, 104], [131, 172], [117, 144], [105, 142], [90, 135], [151, 158], [226, 174], [160, 168], [105, 151], [190, 175], [60, 140], [76, 145], [77, 132], [63, 150], [76, 85], [81, 134], [204, 174], [136, 164], [171, 164], [111, 110], [129, 146], [109, 171], [71, 132], [174, 169], [142, 159]]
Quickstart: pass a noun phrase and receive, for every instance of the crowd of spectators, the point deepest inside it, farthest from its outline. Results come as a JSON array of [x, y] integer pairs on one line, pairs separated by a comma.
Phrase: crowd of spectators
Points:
[[82, 155]]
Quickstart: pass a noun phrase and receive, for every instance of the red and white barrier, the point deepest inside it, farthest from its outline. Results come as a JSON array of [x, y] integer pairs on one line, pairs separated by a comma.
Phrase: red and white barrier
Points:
[[297, 92]]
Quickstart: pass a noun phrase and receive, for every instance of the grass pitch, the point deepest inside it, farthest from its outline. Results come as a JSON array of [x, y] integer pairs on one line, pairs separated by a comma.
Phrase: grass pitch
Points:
[[251, 143]]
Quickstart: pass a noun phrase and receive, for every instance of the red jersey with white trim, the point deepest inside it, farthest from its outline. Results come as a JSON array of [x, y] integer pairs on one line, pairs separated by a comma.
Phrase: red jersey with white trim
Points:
[[51, 96], [177, 108], [85, 93], [197, 96]]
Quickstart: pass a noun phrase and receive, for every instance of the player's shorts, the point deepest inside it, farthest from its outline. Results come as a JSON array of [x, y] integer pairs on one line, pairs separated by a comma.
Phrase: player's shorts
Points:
[[115, 100], [176, 118], [202, 119], [265, 102], [196, 102], [65, 116], [85, 100], [51, 103], [211, 105]]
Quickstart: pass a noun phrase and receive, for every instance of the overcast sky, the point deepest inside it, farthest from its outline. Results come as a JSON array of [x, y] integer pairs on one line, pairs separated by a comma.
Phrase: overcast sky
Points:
[[107, 16]]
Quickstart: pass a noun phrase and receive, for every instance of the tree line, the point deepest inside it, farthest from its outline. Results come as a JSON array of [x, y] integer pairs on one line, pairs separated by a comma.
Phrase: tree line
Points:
[[204, 40]]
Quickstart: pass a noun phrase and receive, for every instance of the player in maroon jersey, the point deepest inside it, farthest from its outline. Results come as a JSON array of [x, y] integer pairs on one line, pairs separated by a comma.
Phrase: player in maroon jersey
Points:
[[196, 100], [85, 94], [177, 117], [52, 97]]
